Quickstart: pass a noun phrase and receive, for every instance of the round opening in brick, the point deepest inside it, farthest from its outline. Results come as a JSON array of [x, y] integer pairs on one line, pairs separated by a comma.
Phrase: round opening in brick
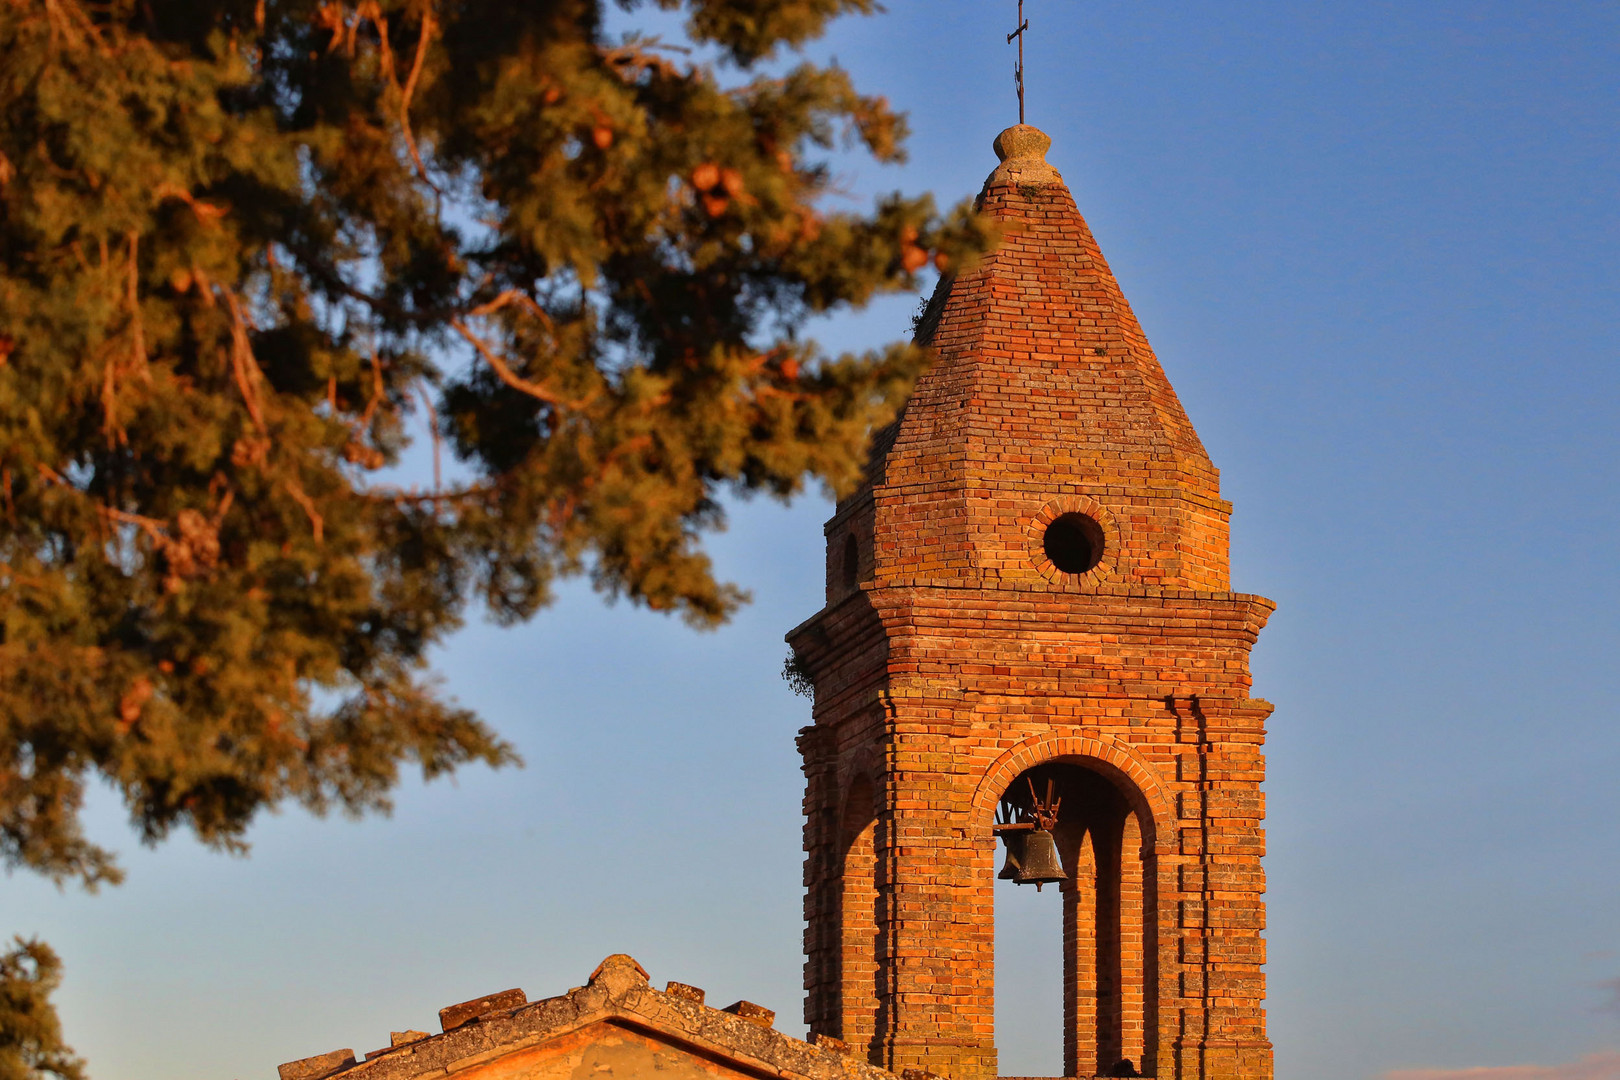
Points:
[[1074, 543]]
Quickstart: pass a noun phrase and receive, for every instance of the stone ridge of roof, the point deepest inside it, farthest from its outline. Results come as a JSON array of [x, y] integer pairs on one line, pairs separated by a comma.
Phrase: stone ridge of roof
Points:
[[617, 991]]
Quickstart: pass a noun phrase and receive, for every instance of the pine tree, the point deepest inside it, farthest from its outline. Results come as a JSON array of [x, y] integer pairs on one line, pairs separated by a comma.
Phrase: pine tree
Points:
[[249, 248], [31, 1046]]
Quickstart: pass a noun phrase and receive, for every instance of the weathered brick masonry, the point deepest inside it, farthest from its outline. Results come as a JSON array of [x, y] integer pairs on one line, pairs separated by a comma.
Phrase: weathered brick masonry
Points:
[[954, 656]]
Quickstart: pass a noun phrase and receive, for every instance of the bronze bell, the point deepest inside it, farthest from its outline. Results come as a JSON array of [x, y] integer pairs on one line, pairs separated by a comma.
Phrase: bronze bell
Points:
[[1015, 854], [1038, 861]]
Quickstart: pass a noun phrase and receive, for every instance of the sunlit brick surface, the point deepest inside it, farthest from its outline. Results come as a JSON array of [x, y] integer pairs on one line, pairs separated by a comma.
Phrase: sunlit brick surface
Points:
[[962, 658]]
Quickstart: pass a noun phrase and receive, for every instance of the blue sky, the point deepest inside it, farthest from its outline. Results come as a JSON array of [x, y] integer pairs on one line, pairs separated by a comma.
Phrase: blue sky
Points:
[[1377, 249]]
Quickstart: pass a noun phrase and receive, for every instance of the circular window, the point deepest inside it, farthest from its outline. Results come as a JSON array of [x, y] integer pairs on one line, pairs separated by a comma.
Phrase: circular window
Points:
[[1074, 543]]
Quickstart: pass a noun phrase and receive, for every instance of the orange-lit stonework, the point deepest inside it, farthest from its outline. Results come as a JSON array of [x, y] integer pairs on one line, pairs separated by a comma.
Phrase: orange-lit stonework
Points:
[[1033, 586]]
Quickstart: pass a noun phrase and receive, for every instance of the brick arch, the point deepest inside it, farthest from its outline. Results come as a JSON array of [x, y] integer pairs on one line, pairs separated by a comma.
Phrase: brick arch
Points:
[[857, 814], [858, 935], [1141, 787], [864, 763]]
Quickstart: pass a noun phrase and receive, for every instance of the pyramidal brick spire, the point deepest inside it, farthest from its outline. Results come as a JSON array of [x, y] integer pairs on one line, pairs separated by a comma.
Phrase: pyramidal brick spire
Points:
[[1044, 380]]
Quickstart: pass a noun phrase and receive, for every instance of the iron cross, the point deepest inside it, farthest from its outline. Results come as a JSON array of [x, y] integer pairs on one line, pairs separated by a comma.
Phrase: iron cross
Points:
[[1018, 70]]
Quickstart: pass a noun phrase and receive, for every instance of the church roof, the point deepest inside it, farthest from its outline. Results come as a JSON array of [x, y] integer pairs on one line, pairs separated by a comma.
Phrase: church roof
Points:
[[614, 1025]]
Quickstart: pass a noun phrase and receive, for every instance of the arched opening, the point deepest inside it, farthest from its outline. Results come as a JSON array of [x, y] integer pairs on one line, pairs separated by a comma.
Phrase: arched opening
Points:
[[857, 950], [1107, 947]]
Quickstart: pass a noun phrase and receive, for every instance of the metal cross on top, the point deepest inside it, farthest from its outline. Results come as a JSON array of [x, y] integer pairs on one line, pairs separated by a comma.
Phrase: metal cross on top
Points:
[[1018, 71]]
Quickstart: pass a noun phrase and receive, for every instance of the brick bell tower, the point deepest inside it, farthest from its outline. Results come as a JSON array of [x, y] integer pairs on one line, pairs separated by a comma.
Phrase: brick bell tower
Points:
[[1033, 586]]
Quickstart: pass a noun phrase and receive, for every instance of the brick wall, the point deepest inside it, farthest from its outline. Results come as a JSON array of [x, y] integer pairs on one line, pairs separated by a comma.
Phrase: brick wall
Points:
[[958, 656]]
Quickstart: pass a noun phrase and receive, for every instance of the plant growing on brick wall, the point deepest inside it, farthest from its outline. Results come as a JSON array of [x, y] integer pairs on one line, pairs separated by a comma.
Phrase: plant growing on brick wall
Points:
[[797, 676]]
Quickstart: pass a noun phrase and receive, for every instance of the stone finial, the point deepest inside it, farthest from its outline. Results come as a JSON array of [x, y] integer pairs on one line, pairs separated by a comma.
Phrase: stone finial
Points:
[[618, 975], [1022, 150]]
